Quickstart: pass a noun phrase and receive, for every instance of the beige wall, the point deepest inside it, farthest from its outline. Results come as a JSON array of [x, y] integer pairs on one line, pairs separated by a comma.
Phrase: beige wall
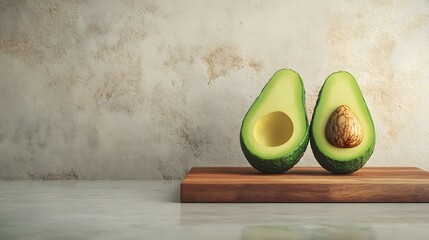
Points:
[[148, 89]]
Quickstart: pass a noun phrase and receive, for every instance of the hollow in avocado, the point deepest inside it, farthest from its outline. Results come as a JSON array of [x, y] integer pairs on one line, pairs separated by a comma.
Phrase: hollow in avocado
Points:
[[275, 132]]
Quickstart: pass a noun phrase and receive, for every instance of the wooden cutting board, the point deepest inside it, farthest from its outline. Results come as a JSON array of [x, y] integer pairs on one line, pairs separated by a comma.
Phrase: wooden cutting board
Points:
[[305, 184]]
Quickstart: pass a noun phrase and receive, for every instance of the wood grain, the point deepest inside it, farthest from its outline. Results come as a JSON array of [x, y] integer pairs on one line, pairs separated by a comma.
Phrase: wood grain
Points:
[[305, 184]]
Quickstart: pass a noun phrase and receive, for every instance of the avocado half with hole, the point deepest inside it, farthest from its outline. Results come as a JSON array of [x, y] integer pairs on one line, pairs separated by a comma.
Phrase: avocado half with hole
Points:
[[275, 132], [342, 133]]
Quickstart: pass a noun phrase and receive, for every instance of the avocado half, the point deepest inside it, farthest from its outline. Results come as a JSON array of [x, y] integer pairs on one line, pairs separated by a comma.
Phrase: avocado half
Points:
[[341, 88], [275, 132]]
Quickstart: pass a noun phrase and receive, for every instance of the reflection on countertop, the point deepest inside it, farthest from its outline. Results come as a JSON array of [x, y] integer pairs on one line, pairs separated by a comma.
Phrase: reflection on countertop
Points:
[[152, 210], [323, 231]]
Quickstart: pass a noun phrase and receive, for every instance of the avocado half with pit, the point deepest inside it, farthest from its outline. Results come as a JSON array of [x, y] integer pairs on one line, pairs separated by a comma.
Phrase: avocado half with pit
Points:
[[275, 132], [342, 133]]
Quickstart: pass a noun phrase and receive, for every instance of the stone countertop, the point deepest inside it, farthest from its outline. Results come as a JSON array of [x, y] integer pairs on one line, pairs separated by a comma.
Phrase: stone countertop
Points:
[[152, 210]]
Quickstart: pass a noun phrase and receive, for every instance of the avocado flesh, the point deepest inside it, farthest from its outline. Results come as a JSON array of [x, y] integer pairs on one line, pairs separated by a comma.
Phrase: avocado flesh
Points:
[[341, 88], [275, 133]]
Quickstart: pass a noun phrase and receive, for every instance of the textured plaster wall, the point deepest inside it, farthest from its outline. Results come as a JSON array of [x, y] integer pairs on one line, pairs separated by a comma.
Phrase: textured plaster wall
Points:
[[148, 89]]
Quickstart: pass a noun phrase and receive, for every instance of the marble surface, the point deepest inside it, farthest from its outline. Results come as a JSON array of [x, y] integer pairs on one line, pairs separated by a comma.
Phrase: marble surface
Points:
[[152, 210]]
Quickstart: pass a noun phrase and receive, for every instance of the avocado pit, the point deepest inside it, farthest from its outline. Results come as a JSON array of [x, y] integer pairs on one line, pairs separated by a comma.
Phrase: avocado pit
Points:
[[343, 129]]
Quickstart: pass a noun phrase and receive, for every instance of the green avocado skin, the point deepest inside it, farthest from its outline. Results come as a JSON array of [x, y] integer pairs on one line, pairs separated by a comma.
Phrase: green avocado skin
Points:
[[278, 165], [335, 166], [340, 167]]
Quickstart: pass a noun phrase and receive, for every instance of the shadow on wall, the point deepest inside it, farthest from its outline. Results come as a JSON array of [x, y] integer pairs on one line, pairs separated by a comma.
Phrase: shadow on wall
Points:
[[70, 175], [203, 122]]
